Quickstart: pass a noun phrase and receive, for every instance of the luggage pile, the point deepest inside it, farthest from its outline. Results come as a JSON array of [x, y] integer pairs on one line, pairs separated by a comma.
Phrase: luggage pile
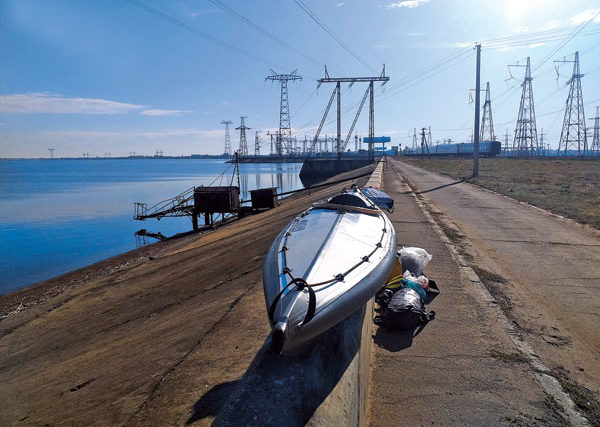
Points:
[[402, 300]]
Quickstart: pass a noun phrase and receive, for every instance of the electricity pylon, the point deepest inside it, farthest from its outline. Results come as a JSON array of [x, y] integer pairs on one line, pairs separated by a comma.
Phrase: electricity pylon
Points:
[[227, 137], [573, 134], [487, 123], [595, 138], [285, 130], [256, 144], [243, 150], [414, 143], [526, 140]]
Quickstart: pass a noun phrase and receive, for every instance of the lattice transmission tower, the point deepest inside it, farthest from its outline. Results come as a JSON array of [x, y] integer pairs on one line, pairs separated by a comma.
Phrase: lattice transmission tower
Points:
[[596, 135], [285, 129], [487, 123], [256, 144], [526, 140], [243, 149], [573, 134], [414, 141], [227, 137]]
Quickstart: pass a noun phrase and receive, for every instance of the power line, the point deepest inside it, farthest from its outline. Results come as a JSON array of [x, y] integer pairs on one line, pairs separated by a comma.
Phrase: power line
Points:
[[263, 31], [569, 38], [193, 30], [315, 18], [408, 81]]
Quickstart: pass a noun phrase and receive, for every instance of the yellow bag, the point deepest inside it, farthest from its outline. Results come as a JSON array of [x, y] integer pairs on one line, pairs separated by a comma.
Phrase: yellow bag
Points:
[[396, 271]]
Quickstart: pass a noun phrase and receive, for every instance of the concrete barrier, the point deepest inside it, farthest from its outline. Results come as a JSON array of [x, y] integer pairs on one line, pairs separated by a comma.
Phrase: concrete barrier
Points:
[[326, 385]]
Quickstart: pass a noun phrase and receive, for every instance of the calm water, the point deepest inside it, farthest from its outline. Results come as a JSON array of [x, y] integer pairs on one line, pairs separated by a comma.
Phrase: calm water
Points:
[[59, 215]]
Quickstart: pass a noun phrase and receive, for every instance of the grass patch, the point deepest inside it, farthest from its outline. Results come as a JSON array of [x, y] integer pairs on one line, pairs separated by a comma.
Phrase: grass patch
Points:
[[564, 186], [488, 276], [585, 399], [508, 357]]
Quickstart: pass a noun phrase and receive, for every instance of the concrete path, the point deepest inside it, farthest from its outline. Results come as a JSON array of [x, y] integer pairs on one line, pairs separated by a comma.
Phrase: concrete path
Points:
[[548, 268], [462, 368]]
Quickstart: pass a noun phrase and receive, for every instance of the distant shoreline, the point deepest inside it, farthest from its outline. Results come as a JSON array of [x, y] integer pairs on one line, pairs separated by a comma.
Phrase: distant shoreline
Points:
[[192, 156]]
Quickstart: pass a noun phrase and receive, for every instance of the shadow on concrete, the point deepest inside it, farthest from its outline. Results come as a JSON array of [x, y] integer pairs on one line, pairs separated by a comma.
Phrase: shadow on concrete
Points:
[[394, 340], [287, 389], [212, 402], [460, 181]]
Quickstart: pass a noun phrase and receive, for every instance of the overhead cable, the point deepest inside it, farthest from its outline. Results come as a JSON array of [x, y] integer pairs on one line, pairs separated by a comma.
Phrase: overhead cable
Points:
[[193, 30], [331, 34]]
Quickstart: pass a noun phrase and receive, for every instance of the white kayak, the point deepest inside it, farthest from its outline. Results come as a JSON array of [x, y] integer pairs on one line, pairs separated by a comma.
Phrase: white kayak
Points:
[[324, 265]]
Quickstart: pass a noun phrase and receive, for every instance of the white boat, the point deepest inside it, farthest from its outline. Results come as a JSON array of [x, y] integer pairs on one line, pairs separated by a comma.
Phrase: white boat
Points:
[[324, 265]]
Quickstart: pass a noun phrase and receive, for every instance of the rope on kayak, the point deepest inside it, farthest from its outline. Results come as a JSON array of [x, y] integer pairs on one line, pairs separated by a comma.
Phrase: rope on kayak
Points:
[[300, 283]]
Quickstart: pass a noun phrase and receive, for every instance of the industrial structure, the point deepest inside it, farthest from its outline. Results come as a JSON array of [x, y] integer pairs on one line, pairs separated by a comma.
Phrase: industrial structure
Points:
[[337, 93], [487, 123], [256, 144], [595, 148], [573, 134], [243, 148], [284, 137], [526, 140], [227, 149]]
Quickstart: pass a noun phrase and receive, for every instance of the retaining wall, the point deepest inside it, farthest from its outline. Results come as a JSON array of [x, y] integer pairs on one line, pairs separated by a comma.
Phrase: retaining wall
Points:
[[326, 385]]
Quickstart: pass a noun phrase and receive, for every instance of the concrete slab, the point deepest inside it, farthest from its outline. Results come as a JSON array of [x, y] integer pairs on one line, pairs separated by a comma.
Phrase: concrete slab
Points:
[[549, 268], [462, 368]]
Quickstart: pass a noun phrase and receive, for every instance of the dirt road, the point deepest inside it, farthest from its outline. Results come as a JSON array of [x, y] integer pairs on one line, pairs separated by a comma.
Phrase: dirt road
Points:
[[543, 270], [161, 342]]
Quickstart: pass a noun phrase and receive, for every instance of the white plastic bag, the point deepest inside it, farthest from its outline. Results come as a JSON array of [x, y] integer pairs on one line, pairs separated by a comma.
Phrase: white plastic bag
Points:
[[414, 259]]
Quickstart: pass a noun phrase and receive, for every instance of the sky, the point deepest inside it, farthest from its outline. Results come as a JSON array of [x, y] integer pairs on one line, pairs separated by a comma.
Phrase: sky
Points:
[[123, 76]]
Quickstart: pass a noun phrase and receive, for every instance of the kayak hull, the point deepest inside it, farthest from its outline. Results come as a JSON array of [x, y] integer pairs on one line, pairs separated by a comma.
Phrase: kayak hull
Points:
[[336, 255]]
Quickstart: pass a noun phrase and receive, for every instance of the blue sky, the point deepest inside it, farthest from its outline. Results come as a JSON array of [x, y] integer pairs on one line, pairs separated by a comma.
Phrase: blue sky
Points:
[[106, 76]]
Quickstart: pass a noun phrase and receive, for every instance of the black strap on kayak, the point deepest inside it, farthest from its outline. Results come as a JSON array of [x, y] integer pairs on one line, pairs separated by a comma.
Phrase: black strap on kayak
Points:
[[300, 285]]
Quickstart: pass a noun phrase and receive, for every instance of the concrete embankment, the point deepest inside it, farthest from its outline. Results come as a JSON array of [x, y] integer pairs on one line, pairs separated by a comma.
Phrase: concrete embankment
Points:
[[326, 385], [163, 341], [314, 170]]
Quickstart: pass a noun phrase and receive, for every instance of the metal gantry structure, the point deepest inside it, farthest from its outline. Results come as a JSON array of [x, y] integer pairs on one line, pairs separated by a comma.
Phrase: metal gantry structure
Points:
[[285, 129], [526, 140], [341, 147], [227, 137], [573, 134], [487, 123], [243, 148]]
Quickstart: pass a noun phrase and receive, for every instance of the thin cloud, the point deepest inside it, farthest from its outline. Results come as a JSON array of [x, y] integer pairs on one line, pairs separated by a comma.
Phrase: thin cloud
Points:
[[534, 45], [48, 103], [88, 135], [551, 25], [36, 103], [522, 29], [340, 4], [464, 44], [407, 3], [585, 16], [157, 112]]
